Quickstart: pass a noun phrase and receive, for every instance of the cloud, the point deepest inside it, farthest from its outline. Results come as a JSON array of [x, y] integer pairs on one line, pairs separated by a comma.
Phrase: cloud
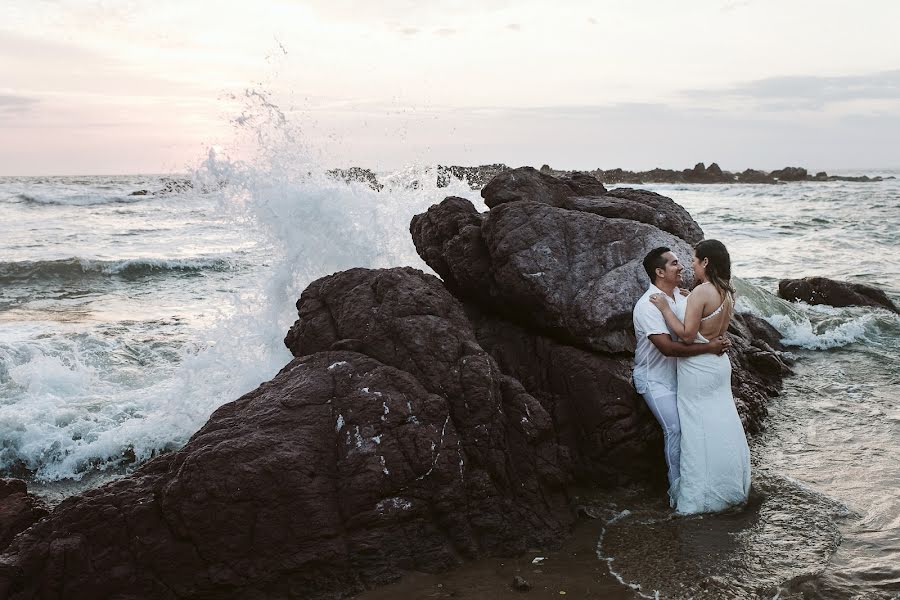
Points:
[[409, 30], [514, 27], [15, 105], [807, 92], [445, 31], [733, 5], [422, 13], [628, 135]]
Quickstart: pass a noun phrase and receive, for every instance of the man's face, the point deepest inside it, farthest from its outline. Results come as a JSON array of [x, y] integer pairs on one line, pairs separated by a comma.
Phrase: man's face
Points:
[[671, 274]]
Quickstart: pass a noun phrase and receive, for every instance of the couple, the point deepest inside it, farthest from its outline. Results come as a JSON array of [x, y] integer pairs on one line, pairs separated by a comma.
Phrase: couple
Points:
[[682, 371]]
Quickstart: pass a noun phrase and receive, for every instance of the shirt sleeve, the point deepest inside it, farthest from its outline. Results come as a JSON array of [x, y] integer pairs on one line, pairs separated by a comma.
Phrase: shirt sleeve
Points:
[[649, 320]]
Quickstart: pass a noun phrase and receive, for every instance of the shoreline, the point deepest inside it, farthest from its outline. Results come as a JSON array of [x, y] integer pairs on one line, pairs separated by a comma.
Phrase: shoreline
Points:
[[572, 569]]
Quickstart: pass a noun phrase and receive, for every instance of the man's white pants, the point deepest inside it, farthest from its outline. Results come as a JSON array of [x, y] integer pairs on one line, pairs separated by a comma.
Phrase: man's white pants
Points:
[[663, 405]]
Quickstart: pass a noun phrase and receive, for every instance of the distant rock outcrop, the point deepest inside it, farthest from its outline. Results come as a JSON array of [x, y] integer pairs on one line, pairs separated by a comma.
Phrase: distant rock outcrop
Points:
[[476, 177], [178, 186], [357, 175], [790, 174], [754, 176], [821, 290], [700, 173], [479, 176]]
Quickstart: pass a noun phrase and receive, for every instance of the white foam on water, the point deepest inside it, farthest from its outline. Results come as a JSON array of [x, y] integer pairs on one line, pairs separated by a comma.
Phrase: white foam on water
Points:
[[636, 587], [804, 334], [76, 199], [818, 327], [70, 415]]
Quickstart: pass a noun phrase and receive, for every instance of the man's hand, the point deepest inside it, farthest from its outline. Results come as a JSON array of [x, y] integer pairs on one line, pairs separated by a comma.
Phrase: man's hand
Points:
[[719, 345]]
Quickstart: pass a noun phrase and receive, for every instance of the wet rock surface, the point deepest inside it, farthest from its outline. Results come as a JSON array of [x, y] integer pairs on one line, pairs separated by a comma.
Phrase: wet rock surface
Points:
[[657, 210], [422, 422], [527, 183], [599, 418], [821, 290], [18, 510], [571, 274], [354, 475], [339, 474]]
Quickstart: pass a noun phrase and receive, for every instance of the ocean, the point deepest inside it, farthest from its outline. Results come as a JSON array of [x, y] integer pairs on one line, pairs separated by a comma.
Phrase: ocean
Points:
[[125, 320]]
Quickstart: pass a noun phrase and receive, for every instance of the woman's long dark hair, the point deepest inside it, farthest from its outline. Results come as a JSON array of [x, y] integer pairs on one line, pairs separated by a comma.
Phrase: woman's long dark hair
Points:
[[718, 269]]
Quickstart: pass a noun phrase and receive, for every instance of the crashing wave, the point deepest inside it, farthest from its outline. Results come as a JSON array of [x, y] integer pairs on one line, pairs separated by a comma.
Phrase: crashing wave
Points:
[[78, 268], [75, 200]]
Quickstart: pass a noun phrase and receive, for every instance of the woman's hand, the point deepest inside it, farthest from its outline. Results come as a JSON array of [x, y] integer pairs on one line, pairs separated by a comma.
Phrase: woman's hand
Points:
[[659, 301]]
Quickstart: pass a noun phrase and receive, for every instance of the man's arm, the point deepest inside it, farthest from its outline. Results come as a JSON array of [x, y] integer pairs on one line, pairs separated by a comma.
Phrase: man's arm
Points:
[[669, 347]]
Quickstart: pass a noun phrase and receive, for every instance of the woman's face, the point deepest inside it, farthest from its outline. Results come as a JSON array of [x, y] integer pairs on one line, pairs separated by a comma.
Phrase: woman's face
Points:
[[699, 267]]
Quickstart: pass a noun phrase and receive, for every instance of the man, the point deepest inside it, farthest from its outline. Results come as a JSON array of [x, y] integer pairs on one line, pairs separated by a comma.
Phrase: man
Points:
[[655, 375]]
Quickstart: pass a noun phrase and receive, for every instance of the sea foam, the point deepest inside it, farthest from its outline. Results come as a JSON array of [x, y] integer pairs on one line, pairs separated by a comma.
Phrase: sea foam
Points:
[[74, 408]]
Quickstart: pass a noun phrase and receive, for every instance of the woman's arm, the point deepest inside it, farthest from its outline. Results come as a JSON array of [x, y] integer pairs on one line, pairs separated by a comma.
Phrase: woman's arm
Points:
[[687, 331]]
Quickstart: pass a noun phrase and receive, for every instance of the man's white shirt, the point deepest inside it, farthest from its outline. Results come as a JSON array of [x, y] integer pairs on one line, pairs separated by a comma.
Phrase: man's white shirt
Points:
[[651, 365]]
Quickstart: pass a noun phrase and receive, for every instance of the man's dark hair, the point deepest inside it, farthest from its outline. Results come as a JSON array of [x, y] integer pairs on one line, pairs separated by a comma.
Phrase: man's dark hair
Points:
[[654, 260]]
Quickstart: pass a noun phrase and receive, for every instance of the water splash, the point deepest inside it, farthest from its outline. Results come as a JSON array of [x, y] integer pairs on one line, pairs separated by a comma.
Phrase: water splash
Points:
[[815, 327], [88, 399]]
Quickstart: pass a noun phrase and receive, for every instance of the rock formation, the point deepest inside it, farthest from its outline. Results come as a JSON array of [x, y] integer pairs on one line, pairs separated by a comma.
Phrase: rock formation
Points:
[[790, 174], [476, 177], [18, 510], [359, 175], [821, 290], [566, 269], [700, 173], [421, 423]]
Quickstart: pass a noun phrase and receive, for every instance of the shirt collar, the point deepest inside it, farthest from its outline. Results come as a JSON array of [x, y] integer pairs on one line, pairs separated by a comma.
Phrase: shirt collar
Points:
[[656, 290]]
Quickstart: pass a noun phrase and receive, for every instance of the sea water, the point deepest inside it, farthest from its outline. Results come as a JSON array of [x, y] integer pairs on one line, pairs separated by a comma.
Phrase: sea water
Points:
[[126, 319], [824, 517]]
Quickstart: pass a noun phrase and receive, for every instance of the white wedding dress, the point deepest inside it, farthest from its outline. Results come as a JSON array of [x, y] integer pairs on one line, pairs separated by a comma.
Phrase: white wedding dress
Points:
[[715, 458]]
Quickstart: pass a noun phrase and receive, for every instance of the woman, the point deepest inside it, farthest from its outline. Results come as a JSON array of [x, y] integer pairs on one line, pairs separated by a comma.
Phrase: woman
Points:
[[715, 459]]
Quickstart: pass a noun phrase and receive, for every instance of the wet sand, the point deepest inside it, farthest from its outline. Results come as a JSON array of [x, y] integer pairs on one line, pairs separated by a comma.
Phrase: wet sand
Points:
[[571, 571]]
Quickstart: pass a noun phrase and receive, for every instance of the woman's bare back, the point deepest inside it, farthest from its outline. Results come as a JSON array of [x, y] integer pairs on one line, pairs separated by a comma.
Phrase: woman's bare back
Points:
[[718, 316]]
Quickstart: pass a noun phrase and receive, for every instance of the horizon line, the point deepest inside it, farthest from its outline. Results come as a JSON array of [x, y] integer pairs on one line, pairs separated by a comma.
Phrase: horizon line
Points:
[[436, 164]]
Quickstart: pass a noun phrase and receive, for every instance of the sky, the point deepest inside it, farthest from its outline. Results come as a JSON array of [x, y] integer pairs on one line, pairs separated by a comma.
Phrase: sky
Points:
[[130, 86]]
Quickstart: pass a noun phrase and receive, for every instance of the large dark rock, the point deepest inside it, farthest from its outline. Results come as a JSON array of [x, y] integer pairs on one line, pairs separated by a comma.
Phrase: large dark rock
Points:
[[758, 366], [571, 274], [448, 238], [599, 418], [340, 473], [18, 510], [821, 290], [583, 192], [566, 277], [665, 213], [527, 183]]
